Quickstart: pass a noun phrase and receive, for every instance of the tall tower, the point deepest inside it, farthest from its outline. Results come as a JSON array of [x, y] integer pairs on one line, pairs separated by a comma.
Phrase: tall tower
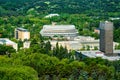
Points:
[[106, 38]]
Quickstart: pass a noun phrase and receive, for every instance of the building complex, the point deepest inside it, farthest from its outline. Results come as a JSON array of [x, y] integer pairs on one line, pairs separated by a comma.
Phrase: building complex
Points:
[[106, 44]]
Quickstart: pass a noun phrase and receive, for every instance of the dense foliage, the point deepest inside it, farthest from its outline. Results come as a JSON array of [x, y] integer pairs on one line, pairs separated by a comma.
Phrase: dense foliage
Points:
[[92, 7], [6, 49], [39, 62], [52, 68]]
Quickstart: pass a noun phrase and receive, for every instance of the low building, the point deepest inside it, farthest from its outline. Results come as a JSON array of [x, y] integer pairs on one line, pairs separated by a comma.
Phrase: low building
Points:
[[26, 44], [8, 42], [68, 31], [51, 15], [90, 42], [81, 43], [97, 53], [22, 34], [70, 45]]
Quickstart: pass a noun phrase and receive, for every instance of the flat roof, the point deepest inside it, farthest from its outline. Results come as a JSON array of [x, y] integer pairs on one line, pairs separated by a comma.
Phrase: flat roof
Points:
[[58, 27], [51, 15], [6, 41], [97, 53], [22, 29]]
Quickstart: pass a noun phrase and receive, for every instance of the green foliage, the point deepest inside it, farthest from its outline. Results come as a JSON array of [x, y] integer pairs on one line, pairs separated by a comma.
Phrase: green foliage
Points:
[[60, 52], [6, 49], [11, 71], [17, 73], [33, 7], [48, 67]]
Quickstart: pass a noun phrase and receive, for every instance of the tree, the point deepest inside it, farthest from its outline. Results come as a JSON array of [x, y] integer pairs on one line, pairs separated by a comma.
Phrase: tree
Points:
[[20, 44], [6, 49], [17, 73], [47, 47], [88, 47]]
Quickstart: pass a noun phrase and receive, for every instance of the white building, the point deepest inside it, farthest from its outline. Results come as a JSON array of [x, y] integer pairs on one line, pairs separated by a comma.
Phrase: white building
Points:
[[92, 43], [97, 53], [81, 43], [26, 44], [51, 15], [68, 31], [8, 42], [71, 45]]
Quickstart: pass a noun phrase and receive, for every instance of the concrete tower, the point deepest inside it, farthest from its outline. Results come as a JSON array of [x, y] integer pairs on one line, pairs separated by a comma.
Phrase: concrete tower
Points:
[[106, 38]]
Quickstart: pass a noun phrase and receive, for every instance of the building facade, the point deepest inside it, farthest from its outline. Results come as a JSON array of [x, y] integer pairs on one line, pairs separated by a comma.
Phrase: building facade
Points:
[[106, 37], [59, 30], [8, 42], [81, 43], [22, 34], [26, 44]]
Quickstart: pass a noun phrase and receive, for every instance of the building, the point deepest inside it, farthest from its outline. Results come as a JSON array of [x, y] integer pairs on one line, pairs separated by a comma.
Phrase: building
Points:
[[51, 15], [68, 31], [97, 53], [70, 45], [81, 43], [97, 31], [90, 42], [26, 44], [8, 42], [22, 34], [106, 37]]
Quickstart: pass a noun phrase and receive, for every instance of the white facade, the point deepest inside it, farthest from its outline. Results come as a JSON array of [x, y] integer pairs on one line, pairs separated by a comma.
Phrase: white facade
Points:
[[59, 30], [8, 42], [26, 44], [51, 15], [81, 43], [92, 43]]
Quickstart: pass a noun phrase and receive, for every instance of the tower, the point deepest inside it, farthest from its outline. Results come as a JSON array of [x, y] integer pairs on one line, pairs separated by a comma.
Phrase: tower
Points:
[[106, 38]]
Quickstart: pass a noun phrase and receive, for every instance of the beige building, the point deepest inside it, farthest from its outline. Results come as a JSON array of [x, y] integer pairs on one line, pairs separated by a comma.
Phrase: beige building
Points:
[[8, 42], [22, 34]]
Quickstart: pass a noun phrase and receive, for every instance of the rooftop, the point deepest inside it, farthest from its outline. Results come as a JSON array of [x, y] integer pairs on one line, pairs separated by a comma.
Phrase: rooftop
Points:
[[106, 25], [6, 41], [22, 29], [51, 15], [58, 27], [94, 54]]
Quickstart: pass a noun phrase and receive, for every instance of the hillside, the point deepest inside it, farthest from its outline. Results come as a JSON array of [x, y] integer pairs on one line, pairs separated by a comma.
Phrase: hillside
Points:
[[16, 7]]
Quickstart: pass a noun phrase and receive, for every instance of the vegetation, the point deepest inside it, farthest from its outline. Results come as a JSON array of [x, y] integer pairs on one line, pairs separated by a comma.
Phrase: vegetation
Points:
[[6, 49], [91, 7], [41, 61], [53, 68]]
